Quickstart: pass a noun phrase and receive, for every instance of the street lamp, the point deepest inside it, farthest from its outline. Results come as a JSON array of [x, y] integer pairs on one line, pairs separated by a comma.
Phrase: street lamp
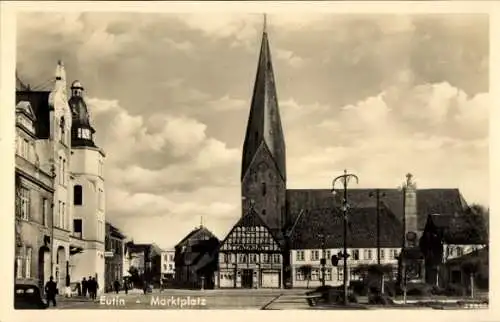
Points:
[[344, 179], [378, 195]]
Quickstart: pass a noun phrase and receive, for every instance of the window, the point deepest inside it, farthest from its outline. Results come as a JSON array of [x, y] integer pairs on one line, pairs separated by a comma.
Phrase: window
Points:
[[62, 133], [459, 251], [78, 195], [263, 212], [276, 258], [315, 274], [24, 203], [355, 254], [368, 254], [77, 228], [394, 253], [300, 255], [60, 171], [25, 149], [340, 274], [164, 267], [63, 218], [382, 254], [171, 258], [45, 211], [28, 262], [242, 258], [328, 274], [64, 172], [170, 267], [328, 254], [265, 258], [264, 190], [299, 275], [315, 255], [19, 264]]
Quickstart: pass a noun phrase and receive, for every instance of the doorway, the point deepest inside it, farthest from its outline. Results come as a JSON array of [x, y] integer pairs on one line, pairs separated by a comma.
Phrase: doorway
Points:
[[247, 278]]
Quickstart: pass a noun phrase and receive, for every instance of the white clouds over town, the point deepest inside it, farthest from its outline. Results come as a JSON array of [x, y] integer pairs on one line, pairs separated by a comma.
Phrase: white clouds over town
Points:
[[170, 96]]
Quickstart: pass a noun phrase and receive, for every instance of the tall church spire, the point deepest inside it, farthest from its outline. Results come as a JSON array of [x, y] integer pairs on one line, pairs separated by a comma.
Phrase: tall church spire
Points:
[[264, 123]]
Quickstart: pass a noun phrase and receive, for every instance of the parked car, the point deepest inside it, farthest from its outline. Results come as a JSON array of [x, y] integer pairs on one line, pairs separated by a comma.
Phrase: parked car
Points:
[[28, 297]]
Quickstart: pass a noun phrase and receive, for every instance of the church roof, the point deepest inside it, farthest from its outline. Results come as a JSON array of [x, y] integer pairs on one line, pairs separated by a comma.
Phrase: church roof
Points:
[[362, 228], [429, 201], [264, 123]]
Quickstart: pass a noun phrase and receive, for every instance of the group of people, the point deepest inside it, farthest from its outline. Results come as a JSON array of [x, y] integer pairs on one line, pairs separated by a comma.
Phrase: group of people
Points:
[[90, 286], [116, 286]]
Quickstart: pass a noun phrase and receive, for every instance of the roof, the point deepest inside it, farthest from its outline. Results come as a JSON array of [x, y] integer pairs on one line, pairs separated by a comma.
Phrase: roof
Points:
[[138, 248], [264, 123], [196, 234], [429, 201], [253, 219], [114, 231], [461, 229], [39, 102], [362, 228]]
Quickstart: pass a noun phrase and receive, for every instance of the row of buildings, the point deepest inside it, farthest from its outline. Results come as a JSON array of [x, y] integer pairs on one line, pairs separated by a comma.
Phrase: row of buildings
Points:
[[60, 218], [282, 230]]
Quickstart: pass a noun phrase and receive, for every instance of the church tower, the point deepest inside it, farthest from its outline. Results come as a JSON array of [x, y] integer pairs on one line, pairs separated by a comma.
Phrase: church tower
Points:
[[263, 173], [88, 189]]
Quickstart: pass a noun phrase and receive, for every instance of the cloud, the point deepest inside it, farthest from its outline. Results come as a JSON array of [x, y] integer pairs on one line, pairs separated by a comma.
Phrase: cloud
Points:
[[434, 131], [291, 58], [227, 103]]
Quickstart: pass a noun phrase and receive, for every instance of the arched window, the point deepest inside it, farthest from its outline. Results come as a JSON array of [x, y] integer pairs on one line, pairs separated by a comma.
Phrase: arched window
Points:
[[78, 195]]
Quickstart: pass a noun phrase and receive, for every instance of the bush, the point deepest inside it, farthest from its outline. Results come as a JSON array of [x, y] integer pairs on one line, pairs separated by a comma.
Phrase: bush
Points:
[[455, 290]]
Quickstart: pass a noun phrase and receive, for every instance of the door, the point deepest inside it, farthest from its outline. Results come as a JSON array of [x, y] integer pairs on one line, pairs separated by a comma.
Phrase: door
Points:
[[270, 279], [247, 278]]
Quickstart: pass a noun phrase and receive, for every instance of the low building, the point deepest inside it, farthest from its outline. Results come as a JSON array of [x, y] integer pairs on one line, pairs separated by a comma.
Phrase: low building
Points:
[[449, 236], [196, 259], [168, 265], [460, 270], [250, 256], [113, 256], [145, 260], [319, 234]]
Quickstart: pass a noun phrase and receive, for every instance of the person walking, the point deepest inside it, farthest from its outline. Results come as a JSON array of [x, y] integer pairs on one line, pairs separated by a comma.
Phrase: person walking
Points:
[[89, 287], [84, 287], [50, 291], [116, 286], [125, 286]]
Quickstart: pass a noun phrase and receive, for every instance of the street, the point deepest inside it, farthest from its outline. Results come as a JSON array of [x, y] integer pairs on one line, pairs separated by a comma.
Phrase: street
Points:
[[266, 299]]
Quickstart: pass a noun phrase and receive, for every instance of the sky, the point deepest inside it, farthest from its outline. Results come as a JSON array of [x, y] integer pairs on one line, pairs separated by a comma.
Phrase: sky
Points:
[[378, 95]]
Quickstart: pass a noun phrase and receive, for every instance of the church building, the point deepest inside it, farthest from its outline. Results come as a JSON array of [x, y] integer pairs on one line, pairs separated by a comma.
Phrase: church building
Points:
[[289, 222]]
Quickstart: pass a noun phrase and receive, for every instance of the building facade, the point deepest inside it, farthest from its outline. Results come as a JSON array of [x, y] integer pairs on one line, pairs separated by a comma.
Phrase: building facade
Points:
[[75, 247], [34, 196], [250, 256], [168, 264], [196, 258], [144, 260], [113, 256], [87, 169]]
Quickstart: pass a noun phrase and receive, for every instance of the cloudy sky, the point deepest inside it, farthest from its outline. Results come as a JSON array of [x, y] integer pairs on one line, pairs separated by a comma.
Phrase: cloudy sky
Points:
[[170, 95]]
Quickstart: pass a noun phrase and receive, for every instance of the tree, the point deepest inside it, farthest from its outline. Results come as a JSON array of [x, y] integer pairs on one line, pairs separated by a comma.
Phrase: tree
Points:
[[482, 211], [379, 271], [306, 270], [471, 268]]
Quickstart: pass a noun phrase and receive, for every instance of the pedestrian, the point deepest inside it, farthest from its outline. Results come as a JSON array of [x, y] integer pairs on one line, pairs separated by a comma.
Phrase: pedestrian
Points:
[[96, 287], [84, 287], [50, 291], [125, 286], [161, 284], [116, 286], [89, 287]]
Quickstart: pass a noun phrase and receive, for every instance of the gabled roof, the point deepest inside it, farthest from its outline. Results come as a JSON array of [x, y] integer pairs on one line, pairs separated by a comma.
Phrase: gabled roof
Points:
[[253, 219], [429, 201], [196, 234], [459, 229], [362, 228]]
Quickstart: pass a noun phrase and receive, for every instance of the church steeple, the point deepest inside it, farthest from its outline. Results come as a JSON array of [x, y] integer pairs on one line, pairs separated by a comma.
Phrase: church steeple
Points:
[[263, 171], [264, 123]]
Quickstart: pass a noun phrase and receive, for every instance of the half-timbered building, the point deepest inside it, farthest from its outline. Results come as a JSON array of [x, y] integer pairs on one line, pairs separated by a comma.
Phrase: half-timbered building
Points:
[[250, 256]]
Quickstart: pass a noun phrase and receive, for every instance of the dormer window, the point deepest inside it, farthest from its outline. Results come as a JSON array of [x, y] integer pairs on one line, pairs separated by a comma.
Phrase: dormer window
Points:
[[264, 188]]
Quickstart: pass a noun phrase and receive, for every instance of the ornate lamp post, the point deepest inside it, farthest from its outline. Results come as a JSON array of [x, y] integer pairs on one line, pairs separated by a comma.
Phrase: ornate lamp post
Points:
[[344, 179]]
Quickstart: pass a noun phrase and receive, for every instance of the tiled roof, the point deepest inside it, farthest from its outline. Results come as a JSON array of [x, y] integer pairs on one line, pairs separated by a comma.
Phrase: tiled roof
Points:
[[460, 229], [429, 201], [362, 228]]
